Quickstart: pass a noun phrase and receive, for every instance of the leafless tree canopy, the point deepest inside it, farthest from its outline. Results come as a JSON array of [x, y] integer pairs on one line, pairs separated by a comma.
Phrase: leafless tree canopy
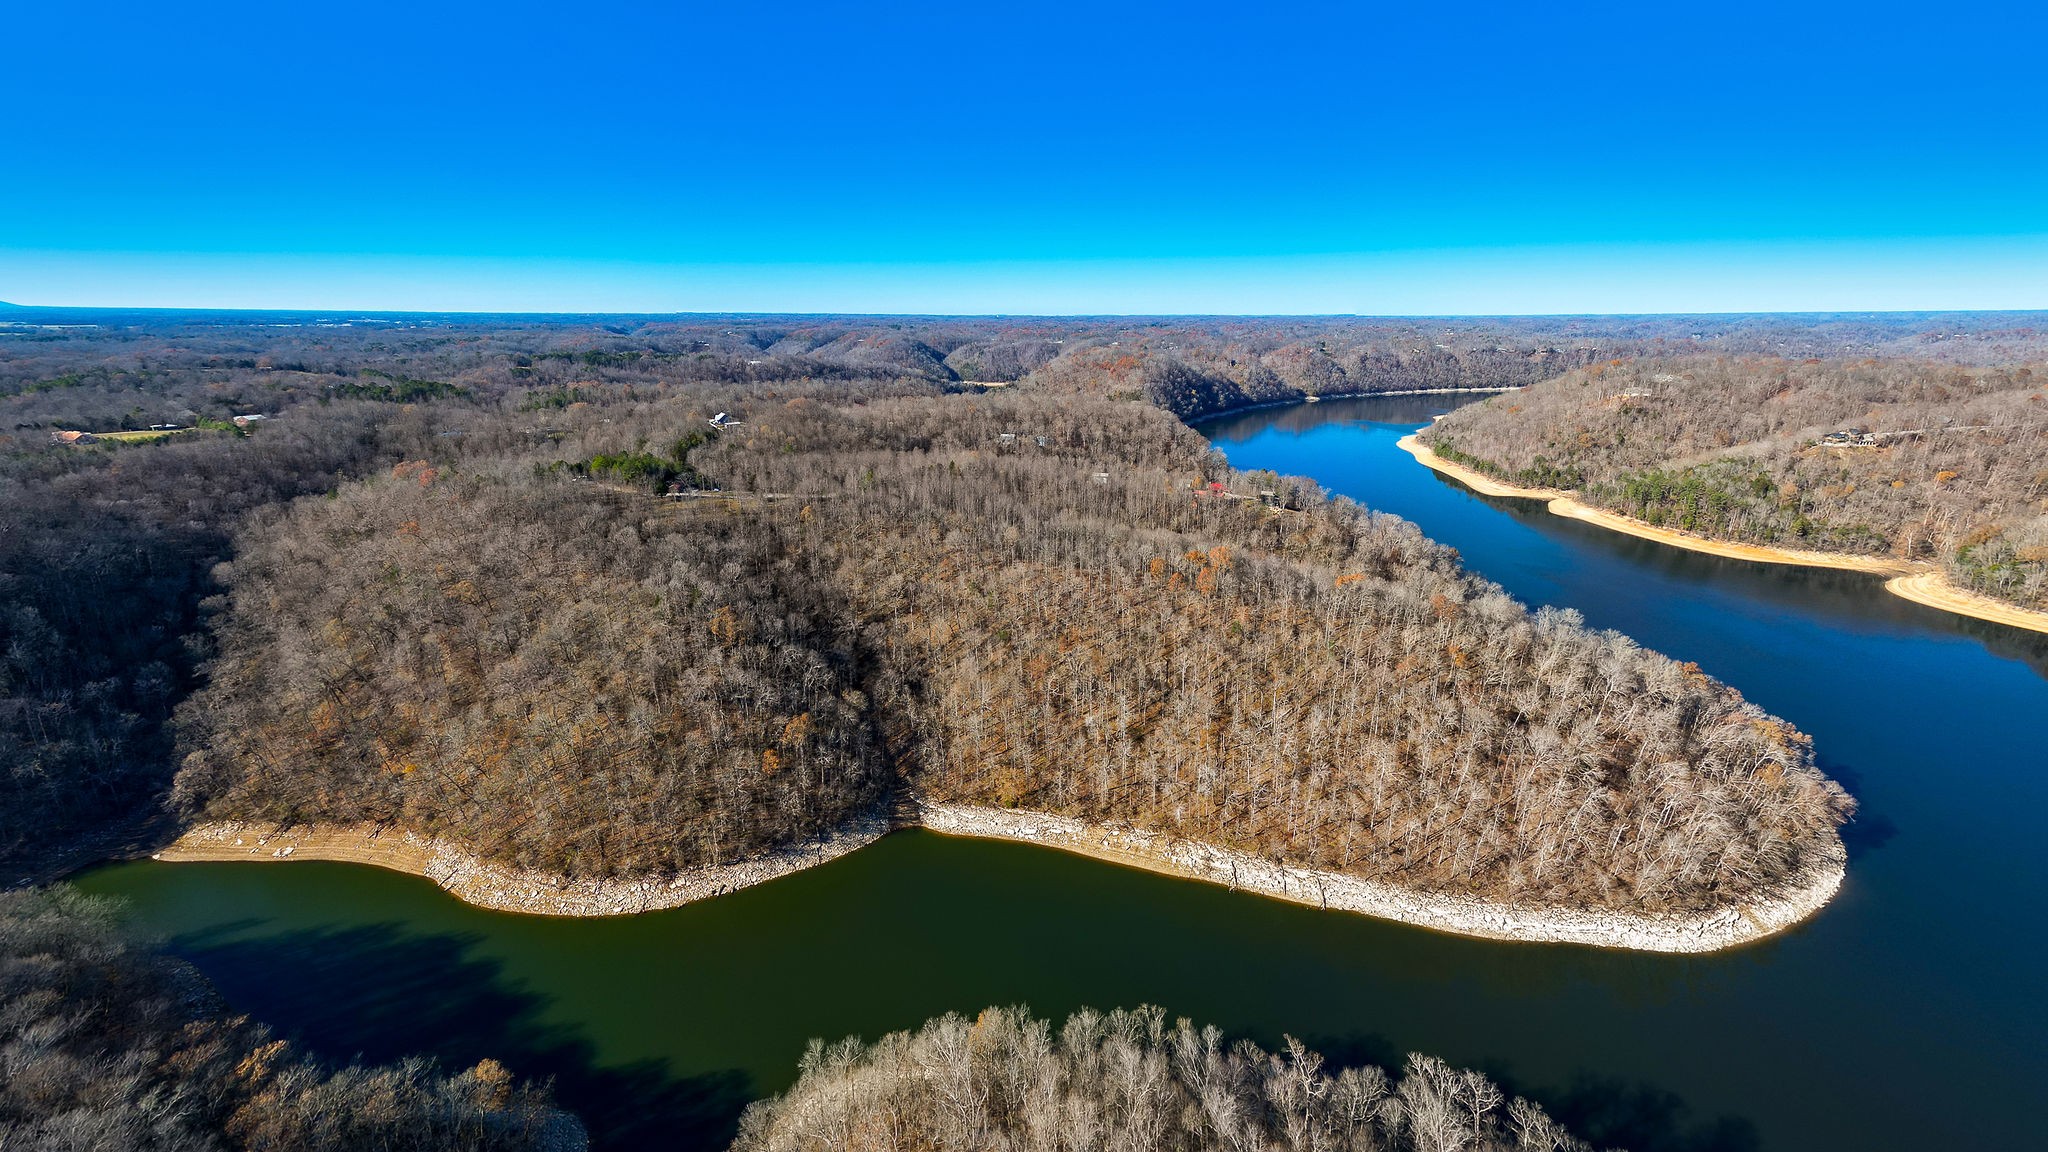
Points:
[[435, 587], [1110, 625], [1127, 1081], [1901, 458]]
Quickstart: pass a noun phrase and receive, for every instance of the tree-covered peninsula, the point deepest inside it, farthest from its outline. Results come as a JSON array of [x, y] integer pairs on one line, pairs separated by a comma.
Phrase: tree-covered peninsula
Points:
[[1068, 607], [633, 599]]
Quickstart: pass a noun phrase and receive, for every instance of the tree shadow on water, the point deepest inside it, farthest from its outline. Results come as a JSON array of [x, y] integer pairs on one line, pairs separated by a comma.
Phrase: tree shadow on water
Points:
[[1868, 830], [1609, 1112], [381, 993], [1606, 1112], [1354, 1049]]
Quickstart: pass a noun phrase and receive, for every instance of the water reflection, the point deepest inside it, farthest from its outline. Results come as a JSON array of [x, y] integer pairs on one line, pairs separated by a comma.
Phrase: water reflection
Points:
[[387, 990]]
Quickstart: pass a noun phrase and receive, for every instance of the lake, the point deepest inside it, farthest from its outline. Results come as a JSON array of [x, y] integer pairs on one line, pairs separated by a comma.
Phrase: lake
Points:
[[1908, 1015]]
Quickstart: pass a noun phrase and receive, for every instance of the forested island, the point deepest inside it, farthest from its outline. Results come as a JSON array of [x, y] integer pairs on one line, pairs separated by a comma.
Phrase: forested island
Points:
[[616, 603], [1930, 473]]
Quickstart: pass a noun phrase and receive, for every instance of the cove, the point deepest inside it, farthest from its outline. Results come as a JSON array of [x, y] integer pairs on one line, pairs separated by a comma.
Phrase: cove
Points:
[[1906, 1015]]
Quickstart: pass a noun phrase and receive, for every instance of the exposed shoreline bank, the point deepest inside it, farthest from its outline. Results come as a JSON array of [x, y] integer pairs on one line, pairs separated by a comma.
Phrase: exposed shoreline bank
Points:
[[1443, 912], [1919, 582], [510, 890], [496, 886]]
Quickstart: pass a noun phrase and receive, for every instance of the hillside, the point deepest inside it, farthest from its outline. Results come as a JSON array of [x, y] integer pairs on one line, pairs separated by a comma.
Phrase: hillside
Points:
[[1912, 461], [568, 673]]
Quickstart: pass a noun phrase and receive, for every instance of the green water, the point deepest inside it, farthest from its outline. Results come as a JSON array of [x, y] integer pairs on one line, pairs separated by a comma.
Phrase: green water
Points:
[[1907, 1016]]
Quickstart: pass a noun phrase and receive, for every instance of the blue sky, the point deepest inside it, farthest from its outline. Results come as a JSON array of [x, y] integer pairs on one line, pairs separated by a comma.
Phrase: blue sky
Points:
[[1045, 158]]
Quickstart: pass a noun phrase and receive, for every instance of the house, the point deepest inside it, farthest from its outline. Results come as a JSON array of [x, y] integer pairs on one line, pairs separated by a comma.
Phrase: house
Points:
[[62, 437], [245, 421]]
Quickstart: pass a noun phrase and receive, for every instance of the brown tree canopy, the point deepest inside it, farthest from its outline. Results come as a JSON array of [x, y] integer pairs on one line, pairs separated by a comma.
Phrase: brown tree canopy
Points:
[[1067, 606], [1127, 1081]]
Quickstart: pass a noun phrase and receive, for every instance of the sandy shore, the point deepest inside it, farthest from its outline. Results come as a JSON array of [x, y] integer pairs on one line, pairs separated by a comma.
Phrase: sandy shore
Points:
[[1919, 582], [1934, 590], [509, 890]]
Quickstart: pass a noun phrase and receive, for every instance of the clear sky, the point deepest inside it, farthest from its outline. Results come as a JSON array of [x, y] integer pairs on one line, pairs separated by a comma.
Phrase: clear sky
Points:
[[977, 157]]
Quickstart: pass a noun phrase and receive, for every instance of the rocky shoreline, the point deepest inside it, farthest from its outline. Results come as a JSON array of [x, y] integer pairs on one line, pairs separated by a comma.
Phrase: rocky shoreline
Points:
[[495, 886], [1443, 912], [510, 890]]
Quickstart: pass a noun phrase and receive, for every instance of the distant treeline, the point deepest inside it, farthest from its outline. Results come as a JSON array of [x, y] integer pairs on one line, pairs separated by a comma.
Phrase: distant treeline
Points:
[[142, 369]]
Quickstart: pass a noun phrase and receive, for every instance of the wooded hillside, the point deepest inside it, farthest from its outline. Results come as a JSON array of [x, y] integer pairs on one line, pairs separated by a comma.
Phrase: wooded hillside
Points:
[[1904, 459], [435, 586], [1108, 625]]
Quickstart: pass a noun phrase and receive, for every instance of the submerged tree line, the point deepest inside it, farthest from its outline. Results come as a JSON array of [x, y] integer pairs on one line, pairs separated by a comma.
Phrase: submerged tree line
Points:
[[442, 586]]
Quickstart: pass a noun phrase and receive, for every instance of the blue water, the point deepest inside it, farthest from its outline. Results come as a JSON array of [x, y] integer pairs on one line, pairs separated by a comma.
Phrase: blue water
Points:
[[1926, 963]]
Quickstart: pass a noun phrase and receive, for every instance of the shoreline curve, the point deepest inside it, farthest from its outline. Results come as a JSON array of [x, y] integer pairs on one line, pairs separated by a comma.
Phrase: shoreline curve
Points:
[[499, 888], [1919, 582], [1452, 913]]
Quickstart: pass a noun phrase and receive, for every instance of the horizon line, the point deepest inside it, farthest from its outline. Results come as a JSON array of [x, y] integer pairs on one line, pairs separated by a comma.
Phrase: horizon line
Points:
[[798, 314]]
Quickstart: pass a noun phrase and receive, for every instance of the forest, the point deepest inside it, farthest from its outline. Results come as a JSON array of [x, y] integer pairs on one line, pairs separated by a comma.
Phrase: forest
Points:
[[485, 604], [1068, 606], [1904, 459], [1128, 1081], [441, 585]]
